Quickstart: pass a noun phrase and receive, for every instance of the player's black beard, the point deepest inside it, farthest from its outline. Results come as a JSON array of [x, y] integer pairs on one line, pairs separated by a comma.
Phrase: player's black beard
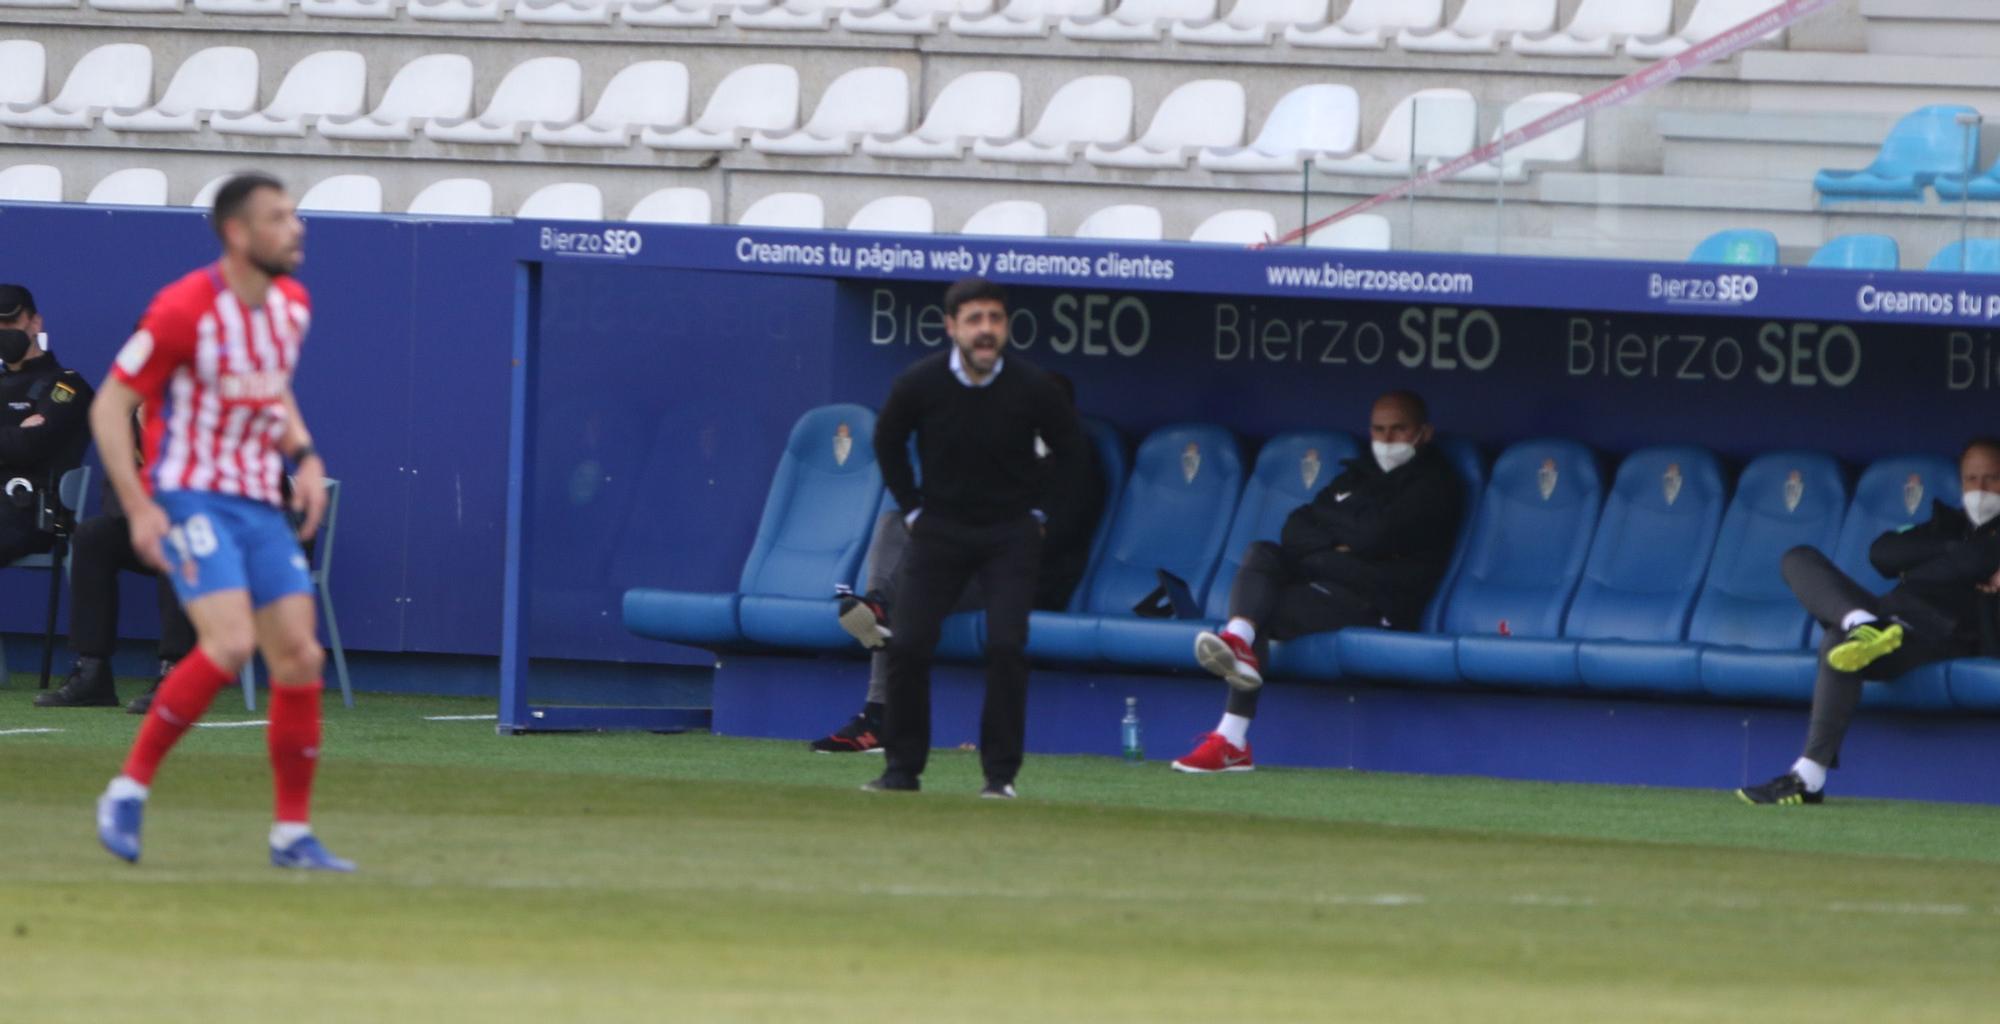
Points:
[[273, 268]]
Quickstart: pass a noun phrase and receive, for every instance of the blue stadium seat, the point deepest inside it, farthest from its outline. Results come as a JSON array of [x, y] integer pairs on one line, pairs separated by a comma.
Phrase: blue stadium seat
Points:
[[1925, 144], [1891, 494], [1956, 187], [1652, 550], [1973, 256], [815, 527], [1858, 252], [1471, 467], [1752, 626], [1925, 688], [1289, 471], [1522, 563], [1975, 684], [1741, 247], [1173, 514]]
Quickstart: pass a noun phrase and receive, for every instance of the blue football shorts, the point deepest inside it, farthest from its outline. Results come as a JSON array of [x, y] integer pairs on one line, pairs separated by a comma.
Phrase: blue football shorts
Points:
[[219, 542]]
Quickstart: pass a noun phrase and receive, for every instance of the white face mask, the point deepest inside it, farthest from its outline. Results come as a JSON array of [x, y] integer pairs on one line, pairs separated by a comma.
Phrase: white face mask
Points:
[[1981, 507], [1389, 456]]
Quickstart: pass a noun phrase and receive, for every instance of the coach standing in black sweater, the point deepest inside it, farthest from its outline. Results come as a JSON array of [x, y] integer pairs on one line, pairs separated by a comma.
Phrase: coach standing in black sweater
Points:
[[976, 412]]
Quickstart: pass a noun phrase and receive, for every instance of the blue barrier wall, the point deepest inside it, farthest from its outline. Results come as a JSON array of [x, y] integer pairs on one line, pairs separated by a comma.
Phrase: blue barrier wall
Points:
[[666, 391]]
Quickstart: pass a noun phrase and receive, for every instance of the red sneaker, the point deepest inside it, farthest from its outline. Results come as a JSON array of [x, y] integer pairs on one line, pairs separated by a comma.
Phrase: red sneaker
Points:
[[1216, 754], [1226, 655]]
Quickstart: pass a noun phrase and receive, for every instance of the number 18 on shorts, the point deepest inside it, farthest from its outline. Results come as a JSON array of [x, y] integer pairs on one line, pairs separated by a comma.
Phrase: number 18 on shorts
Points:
[[220, 543]]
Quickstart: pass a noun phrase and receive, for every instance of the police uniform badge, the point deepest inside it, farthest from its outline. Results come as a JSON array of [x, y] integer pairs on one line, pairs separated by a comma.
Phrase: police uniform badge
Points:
[[1309, 467], [1545, 478], [1190, 461], [1670, 482], [1795, 490], [62, 393], [1913, 493], [843, 444]]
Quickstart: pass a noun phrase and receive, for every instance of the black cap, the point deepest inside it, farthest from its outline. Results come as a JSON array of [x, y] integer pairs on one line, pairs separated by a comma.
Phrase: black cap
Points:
[[15, 300]]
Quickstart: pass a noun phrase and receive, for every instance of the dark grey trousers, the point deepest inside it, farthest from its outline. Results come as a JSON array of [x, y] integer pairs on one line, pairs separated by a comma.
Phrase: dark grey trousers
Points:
[[1271, 592]]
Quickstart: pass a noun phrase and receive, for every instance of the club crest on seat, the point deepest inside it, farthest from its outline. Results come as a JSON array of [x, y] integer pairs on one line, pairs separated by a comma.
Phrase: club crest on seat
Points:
[[1191, 461], [843, 444]]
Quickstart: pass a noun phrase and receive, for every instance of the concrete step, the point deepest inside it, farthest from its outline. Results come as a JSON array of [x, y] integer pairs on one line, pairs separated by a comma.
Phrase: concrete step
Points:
[[1933, 28]]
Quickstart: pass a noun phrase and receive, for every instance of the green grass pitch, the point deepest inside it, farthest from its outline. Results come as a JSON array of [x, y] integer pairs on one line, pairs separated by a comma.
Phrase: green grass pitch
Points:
[[694, 878]]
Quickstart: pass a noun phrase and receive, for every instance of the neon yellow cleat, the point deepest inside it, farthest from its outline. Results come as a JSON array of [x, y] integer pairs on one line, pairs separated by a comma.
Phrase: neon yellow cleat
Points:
[[1865, 644]]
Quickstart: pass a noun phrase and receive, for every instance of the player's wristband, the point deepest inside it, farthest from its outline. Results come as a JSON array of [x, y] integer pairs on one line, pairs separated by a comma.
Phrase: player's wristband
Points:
[[304, 452]]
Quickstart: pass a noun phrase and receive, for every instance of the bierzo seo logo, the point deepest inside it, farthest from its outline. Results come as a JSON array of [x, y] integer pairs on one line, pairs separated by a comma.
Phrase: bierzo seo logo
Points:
[[605, 242], [1720, 290]]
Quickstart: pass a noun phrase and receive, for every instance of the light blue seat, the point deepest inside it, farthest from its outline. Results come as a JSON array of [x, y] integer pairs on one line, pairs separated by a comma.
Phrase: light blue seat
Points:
[[1653, 547], [815, 528], [1858, 252], [1752, 628], [1521, 564], [1527, 558], [1741, 247], [1975, 684], [1289, 471], [1173, 514], [60, 519], [1925, 144], [1428, 656], [1974, 256], [1982, 187]]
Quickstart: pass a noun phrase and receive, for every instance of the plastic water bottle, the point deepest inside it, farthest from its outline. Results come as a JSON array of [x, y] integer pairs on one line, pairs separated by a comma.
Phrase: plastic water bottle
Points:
[[1128, 732]]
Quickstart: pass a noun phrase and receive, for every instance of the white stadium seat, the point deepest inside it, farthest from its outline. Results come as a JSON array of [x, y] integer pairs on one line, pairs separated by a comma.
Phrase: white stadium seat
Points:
[[220, 79], [905, 215], [911, 17], [1482, 26], [455, 197], [24, 72], [327, 83], [785, 210], [267, 8], [1369, 24], [134, 6], [978, 105], [1200, 114], [133, 186], [436, 85], [1423, 126], [674, 13], [650, 94], [1137, 20], [1009, 218], [1709, 18], [1025, 19], [357, 10], [204, 197], [1564, 145], [673, 206], [1599, 28], [108, 77], [567, 200], [1237, 227], [535, 90], [31, 183], [1308, 121], [1091, 109], [563, 12], [1127, 220], [344, 193], [755, 97], [38, 4], [456, 10], [1252, 22], [1361, 231], [860, 102], [797, 15]]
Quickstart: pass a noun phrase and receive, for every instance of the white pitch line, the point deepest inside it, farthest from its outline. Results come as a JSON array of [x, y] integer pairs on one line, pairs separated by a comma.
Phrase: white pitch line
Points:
[[461, 718], [232, 725], [26, 732]]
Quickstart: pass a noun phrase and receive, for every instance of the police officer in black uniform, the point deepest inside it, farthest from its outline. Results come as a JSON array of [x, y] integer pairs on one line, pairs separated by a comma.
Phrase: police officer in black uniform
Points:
[[44, 424]]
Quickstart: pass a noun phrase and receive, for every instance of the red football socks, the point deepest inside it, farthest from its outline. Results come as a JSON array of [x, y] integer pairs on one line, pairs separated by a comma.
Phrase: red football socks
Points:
[[294, 743], [183, 698]]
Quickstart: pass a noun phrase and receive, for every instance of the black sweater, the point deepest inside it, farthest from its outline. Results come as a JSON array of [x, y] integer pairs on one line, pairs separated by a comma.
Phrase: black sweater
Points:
[[977, 445], [1939, 564], [1398, 528]]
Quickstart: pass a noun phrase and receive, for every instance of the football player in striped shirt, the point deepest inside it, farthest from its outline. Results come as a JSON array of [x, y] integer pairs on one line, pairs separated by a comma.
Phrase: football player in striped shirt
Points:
[[212, 365]]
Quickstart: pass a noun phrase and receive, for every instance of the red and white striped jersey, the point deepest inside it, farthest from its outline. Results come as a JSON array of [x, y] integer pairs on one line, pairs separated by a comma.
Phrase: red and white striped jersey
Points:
[[214, 373]]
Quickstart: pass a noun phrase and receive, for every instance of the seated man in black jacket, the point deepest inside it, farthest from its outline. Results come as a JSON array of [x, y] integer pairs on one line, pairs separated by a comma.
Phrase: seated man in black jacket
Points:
[[1368, 551], [1944, 605]]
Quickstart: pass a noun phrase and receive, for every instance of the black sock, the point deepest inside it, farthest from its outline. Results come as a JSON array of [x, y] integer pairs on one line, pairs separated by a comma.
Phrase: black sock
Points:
[[873, 711]]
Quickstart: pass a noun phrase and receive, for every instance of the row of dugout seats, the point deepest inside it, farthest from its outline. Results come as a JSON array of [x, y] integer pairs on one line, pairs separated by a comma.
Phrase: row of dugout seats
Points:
[[901, 214], [1935, 148], [865, 110], [1756, 247], [1599, 28], [1661, 580]]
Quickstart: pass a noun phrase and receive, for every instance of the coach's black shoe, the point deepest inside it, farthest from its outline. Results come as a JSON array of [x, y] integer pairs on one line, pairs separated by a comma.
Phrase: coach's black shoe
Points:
[[1784, 790], [88, 686], [998, 791], [144, 702], [891, 784], [861, 735], [866, 619]]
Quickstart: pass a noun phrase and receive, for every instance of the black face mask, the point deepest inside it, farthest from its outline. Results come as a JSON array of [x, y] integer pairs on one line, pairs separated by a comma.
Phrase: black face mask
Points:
[[14, 345]]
